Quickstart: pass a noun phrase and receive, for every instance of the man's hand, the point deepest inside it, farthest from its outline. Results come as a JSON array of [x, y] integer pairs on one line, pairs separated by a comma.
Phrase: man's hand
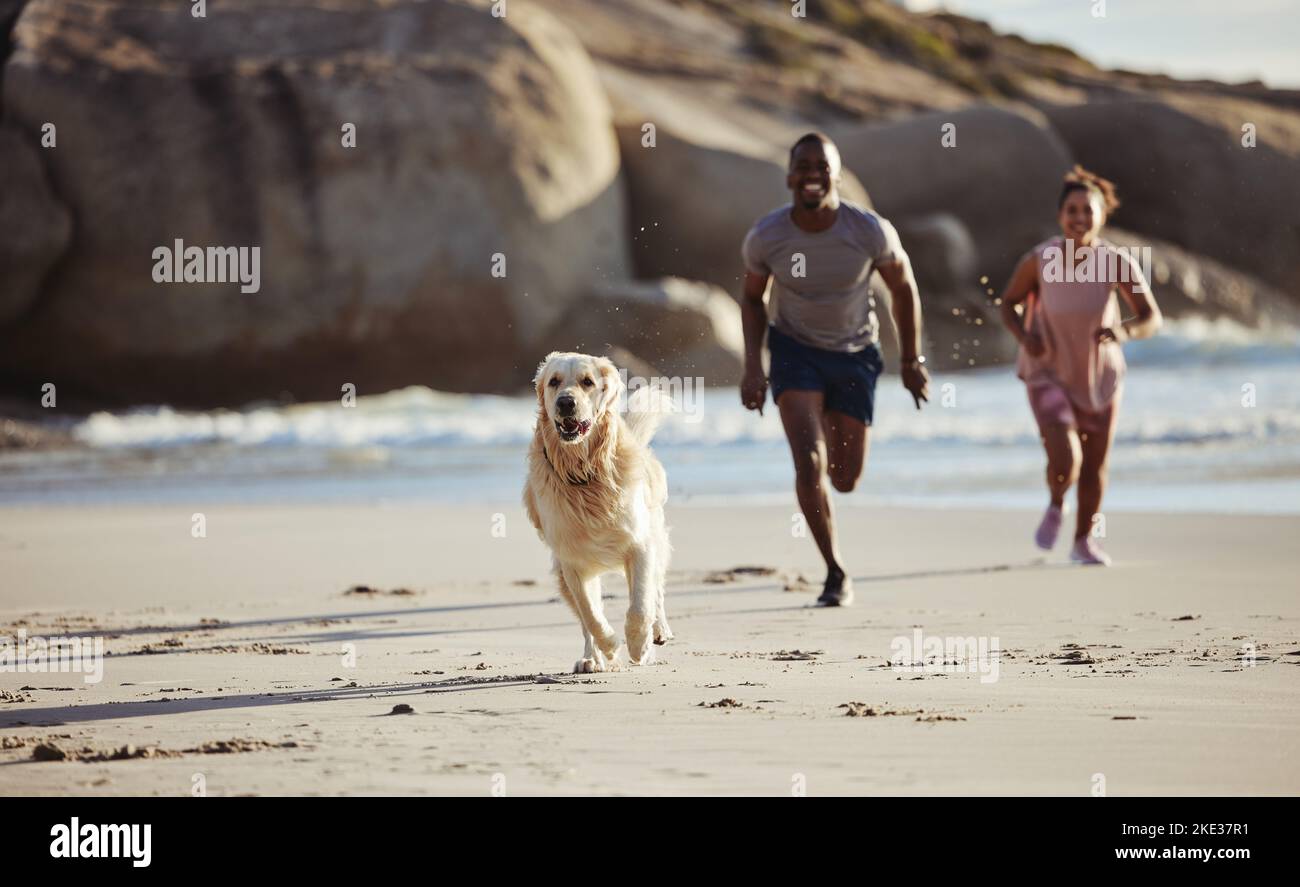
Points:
[[753, 389], [917, 382]]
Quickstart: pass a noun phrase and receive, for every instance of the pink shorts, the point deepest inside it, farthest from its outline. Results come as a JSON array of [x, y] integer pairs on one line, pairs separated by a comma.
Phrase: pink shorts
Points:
[[1052, 406]]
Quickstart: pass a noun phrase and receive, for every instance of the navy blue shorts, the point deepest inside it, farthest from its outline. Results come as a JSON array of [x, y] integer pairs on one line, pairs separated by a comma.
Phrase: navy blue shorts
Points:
[[848, 380]]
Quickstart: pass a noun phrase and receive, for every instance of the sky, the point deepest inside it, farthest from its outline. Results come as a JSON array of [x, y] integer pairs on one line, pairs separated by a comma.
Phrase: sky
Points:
[[1230, 40]]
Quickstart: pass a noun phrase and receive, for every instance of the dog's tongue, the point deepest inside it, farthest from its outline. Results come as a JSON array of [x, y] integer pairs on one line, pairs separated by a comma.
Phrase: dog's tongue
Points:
[[569, 424]]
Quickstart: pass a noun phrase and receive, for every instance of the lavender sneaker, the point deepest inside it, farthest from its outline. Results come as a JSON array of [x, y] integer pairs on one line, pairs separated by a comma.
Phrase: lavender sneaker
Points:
[[1049, 528], [1087, 551]]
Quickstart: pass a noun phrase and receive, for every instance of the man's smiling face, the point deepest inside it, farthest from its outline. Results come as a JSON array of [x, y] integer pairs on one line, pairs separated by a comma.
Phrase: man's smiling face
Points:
[[814, 175]]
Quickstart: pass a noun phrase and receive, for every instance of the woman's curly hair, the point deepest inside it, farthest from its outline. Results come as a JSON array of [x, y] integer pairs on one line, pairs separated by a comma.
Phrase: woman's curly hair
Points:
[[1080, 179]]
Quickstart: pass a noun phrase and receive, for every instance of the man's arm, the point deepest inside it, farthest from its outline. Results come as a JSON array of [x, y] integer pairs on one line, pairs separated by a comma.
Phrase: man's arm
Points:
[[905, 305], [753, 319]]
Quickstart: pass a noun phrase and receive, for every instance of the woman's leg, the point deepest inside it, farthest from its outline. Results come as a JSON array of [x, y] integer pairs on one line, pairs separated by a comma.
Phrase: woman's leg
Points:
[[1056, 426], [1064, 458], [1096, 463]]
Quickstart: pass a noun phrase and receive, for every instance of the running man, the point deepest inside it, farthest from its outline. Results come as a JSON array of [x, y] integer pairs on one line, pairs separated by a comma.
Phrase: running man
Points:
[[820, 251]]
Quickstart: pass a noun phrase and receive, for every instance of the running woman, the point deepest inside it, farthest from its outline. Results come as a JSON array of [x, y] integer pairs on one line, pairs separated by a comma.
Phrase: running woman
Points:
[[1070, 360], [819, 253]]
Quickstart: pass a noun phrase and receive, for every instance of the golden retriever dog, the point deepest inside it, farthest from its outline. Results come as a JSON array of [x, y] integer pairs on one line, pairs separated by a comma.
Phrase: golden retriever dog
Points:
[[596, 495]]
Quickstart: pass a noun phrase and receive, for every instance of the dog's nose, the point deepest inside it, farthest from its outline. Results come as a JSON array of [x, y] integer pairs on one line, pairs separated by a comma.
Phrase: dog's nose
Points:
[[566, 404]]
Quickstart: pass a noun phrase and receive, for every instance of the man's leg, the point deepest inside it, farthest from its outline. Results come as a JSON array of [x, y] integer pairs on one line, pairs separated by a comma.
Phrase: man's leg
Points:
[[847, 441], [802, 415]]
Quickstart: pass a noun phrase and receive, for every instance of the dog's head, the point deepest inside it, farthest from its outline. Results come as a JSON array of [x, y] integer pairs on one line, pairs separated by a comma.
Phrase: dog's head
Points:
[[576, 392]]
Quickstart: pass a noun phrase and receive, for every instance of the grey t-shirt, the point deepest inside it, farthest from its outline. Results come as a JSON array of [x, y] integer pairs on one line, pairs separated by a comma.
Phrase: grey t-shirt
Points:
[[821, 282]]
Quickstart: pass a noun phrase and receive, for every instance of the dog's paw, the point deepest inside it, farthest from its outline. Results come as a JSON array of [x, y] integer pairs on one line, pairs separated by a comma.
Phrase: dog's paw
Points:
[[608, 645], [647, 657], [596, 664], [663, 634], [639, 650]]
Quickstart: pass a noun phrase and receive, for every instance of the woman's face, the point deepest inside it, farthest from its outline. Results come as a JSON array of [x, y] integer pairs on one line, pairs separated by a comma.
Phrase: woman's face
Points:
[[1082, 215]]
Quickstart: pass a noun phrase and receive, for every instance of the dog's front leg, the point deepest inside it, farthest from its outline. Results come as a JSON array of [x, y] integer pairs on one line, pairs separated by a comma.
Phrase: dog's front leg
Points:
[[601, 642], [663, 634], [592, 659], [642, 604]]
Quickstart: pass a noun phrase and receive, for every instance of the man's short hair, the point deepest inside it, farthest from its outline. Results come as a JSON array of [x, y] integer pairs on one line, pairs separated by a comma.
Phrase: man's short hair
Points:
[[804, 139]]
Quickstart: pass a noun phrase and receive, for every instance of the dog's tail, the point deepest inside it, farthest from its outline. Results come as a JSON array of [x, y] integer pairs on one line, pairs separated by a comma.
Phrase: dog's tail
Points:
[[646, 408]]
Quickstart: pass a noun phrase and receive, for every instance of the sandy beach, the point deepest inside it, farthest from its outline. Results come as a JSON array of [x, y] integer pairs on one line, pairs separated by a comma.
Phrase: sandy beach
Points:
[[289, 292], [228, 657]]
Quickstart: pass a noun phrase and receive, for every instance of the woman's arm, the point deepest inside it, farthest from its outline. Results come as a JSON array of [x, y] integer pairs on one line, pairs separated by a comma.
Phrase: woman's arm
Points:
[[1023, 284], [1148, 318]]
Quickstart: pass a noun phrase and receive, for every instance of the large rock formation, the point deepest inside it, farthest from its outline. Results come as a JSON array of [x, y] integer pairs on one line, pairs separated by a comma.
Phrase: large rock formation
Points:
[[1190, 285], [1000, 179], [961, 324], [1185, 176], [475, 135], [679, 327], [35, 227], [479, 137]]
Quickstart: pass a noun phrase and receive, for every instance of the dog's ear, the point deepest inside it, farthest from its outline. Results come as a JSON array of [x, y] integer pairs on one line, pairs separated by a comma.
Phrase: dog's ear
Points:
[[539, 380], [611, 384]]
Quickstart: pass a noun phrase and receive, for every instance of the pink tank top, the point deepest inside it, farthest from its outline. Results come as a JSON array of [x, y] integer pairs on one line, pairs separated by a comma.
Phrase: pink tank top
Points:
[[1066, 314]]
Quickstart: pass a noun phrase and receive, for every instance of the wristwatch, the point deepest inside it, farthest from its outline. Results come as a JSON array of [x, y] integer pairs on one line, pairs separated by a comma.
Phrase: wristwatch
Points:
[[919, 361]]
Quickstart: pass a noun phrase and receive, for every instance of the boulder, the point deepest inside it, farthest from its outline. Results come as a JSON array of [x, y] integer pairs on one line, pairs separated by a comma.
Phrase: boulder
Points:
[[1000, 180], [1185, 176], [961, 324], [942, 252], [36, 226], [476, 136], [1188, 285], [9, 10], [680, 327]]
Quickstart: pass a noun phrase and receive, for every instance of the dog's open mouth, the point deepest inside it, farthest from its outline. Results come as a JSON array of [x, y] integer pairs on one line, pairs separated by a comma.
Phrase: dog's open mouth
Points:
[[571, 429]]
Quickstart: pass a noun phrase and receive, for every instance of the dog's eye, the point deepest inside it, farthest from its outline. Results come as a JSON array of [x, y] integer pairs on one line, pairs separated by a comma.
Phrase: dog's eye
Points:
[[555, 382], [587, 383]]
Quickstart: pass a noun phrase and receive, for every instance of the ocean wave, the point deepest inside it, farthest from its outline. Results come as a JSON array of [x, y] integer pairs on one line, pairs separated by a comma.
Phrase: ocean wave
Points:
[[1199, 341], [408, 422], [1199, 382], [413, 416]]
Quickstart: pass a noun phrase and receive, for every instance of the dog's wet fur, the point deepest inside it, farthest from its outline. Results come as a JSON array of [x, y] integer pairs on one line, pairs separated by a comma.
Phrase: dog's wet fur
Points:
[[596, 493]]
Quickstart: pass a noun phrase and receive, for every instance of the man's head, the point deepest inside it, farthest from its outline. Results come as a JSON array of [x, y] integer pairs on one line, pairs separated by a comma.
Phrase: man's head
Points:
[[813, 176]]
